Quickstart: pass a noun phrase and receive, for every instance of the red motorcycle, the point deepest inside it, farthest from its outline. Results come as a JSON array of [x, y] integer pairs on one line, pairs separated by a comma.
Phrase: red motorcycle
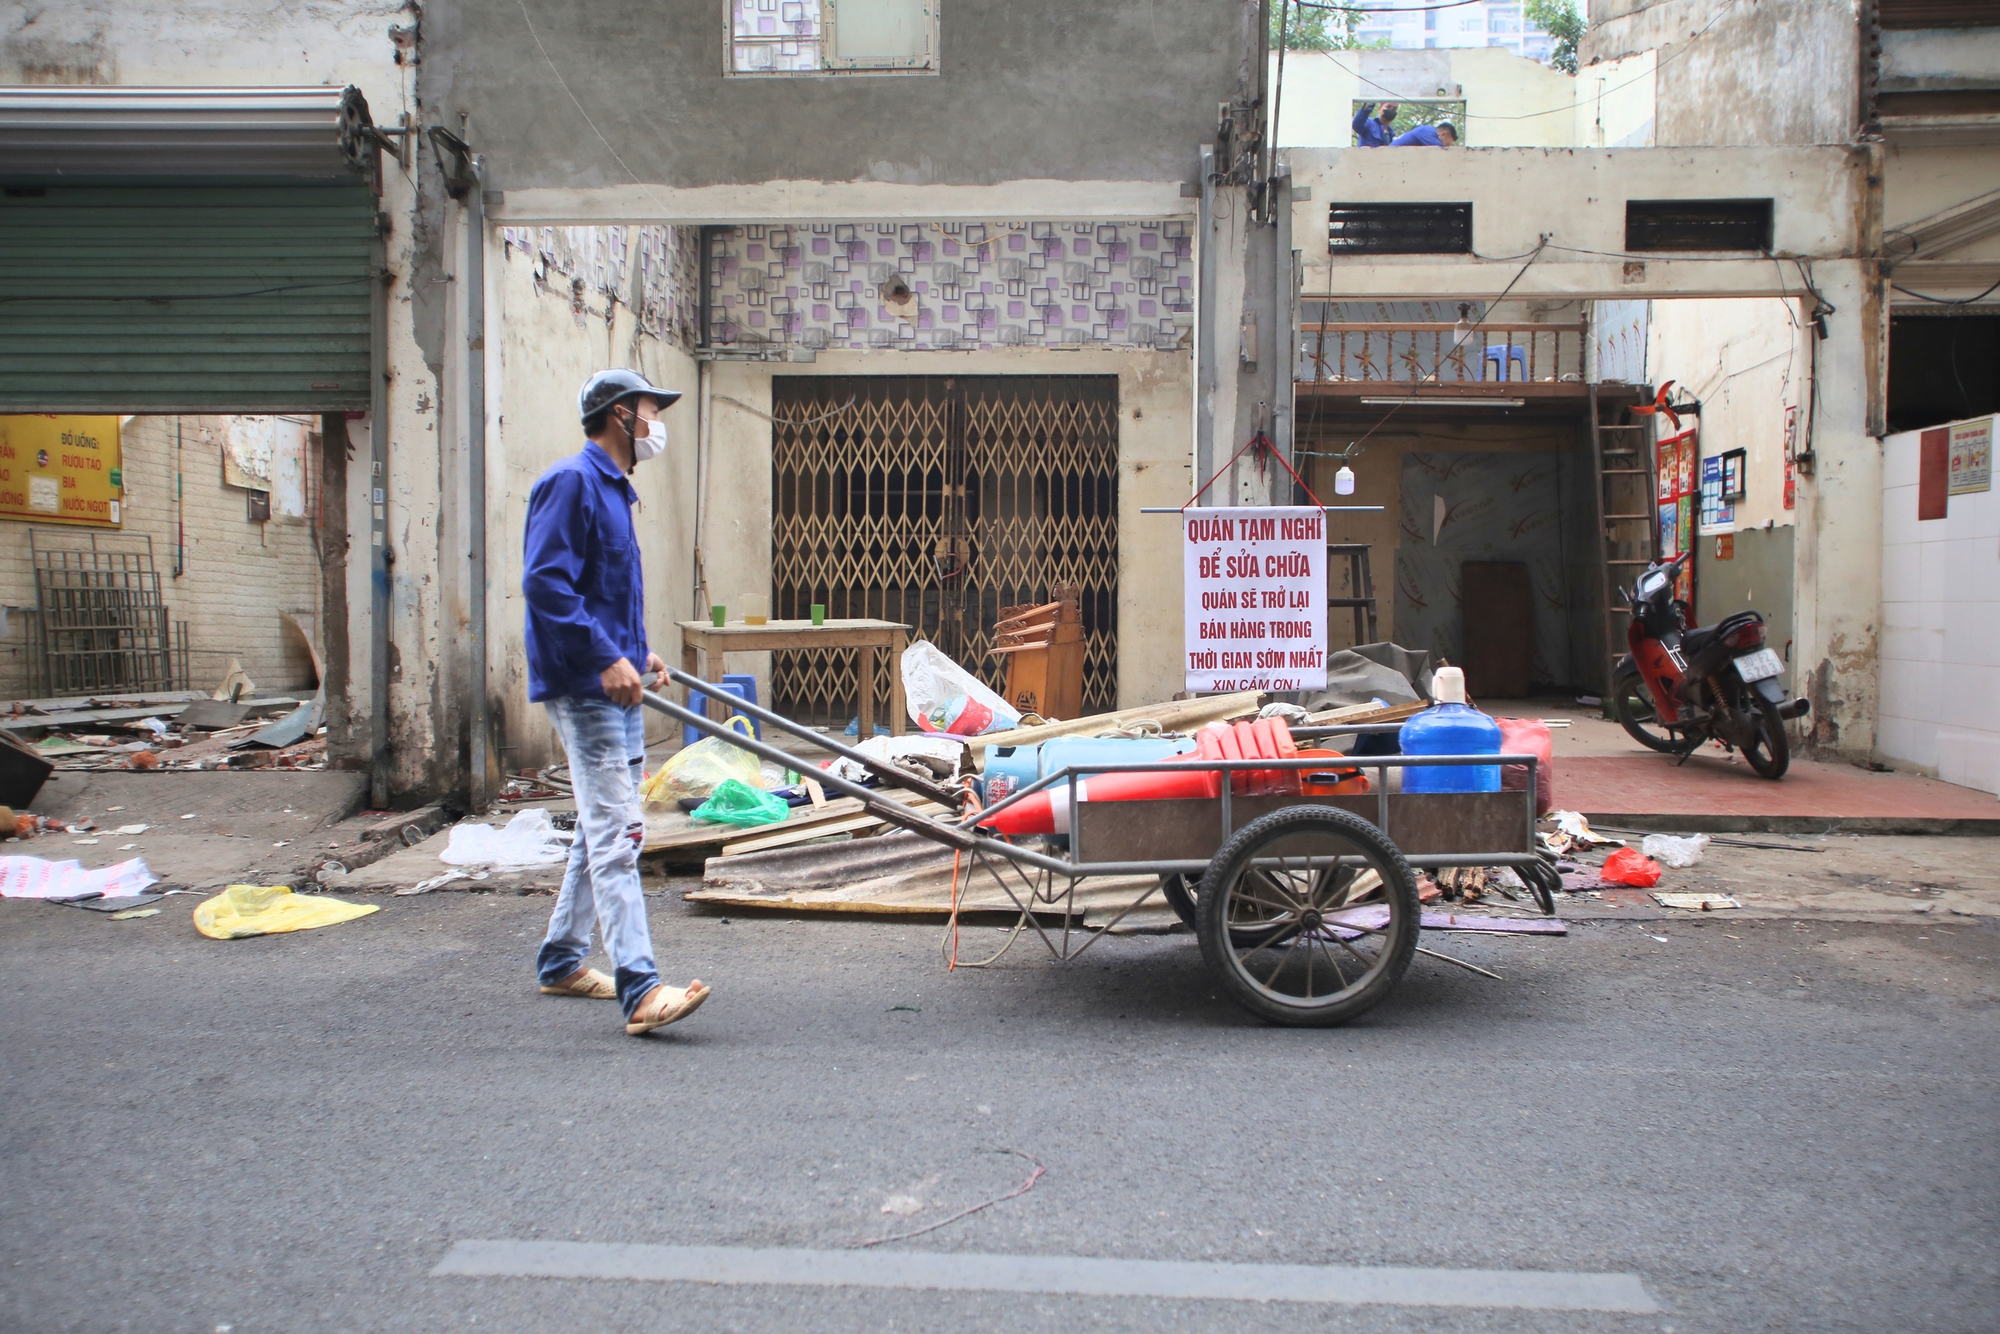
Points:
[[1682, 685]]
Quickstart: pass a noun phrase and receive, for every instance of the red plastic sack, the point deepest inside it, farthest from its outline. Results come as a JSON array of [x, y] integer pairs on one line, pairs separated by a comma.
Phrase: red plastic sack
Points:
[[1627, 867], [1529, 736]]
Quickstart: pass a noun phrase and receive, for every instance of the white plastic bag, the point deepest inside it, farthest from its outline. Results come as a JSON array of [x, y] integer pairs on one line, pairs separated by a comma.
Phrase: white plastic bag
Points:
[[1668, 850], [938, 756], [34, 878], [529, 839], [943, 697]]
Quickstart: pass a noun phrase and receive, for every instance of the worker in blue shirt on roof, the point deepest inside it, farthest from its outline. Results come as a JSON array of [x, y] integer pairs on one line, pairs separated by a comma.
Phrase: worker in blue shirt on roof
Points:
[[586, 628], [1441, 135], [1373, 131]]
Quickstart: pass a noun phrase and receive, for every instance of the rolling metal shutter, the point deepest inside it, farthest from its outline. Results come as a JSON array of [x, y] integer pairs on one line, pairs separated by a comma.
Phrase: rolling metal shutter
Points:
[[171, 297]]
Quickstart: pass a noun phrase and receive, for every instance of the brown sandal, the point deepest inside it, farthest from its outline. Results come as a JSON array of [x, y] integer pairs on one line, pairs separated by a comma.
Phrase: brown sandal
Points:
[[588, 983], [664, 1004]]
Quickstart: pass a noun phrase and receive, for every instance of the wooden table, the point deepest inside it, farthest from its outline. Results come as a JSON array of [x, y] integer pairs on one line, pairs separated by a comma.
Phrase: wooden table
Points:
[[716, 642]]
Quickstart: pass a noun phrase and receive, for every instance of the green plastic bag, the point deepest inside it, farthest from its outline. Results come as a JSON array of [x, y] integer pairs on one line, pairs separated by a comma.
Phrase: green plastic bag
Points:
[[736, 802]]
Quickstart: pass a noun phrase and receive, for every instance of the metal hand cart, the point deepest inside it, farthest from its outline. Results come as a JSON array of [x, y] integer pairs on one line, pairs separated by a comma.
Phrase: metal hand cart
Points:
[[1305, 906]]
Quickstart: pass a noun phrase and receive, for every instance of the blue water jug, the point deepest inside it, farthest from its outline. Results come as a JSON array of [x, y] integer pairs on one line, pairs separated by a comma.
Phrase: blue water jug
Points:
[[1450, 727]]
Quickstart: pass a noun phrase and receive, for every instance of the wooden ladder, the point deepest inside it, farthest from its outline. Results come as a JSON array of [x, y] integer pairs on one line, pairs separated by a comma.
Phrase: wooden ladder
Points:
[[1361, 583], [1621, 459]]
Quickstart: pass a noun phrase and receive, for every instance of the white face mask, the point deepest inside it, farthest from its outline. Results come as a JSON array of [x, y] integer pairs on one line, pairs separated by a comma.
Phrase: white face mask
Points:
[[652, 444]]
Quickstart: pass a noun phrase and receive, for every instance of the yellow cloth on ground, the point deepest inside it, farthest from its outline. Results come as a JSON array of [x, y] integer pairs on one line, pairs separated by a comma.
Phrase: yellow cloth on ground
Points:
[[265, 910]]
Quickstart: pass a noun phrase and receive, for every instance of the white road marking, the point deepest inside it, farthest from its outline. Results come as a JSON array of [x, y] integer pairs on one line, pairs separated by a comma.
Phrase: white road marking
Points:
[[1345, 1285]]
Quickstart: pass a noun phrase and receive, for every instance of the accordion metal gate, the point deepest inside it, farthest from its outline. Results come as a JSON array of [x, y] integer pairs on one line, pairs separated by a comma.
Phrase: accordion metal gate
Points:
[[936, 501]]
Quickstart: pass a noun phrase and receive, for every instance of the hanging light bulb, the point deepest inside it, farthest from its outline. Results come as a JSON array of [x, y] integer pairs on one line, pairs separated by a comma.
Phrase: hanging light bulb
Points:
[[1463, 329], [1343, 481]]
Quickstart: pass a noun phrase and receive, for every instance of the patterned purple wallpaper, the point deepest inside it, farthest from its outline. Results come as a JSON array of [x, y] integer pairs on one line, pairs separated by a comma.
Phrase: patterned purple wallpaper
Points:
[[1054, 284]]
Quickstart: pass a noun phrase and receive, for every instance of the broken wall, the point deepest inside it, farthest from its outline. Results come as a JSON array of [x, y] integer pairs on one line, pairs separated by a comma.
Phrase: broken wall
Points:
[[238, 576], [566, 303]]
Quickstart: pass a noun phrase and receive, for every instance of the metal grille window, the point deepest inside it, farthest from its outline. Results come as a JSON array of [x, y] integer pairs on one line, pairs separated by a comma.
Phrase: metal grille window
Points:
[[936, 501], [1697, 224], [103, 624], [1399, 229]]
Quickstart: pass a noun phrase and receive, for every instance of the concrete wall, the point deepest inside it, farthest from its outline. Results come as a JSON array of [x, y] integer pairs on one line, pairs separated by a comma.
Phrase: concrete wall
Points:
[[1940, 628], [1156, 427], [1747, 361], [239, 574], [545, 348], [1031, 89], [1576, 198], [1511, 101], [1742, 73]]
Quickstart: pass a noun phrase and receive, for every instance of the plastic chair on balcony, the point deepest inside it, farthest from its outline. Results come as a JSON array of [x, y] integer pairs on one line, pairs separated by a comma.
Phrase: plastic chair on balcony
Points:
[[1504, 355]]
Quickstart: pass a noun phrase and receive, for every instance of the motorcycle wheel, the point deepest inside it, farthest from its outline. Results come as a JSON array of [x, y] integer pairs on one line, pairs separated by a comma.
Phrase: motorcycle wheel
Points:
[[1770, 752], [1641, 721]]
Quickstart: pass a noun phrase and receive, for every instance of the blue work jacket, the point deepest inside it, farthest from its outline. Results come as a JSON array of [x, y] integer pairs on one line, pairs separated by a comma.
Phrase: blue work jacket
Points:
[[1423, 136], [586, 596], [1369, 130]]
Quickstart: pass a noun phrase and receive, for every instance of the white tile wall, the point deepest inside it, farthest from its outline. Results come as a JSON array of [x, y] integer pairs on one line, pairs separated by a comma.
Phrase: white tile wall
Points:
[[1940, 646]]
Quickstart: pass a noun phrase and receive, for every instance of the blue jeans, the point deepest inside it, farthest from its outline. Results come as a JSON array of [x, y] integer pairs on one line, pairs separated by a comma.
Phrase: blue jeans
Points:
[[606, 743]]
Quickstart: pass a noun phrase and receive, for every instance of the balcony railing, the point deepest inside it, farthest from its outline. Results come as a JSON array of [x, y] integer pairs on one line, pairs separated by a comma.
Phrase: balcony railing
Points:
[[1440, 353]]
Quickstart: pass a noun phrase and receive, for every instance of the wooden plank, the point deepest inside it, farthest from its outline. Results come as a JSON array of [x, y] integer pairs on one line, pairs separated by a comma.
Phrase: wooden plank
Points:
[[806, 830], [1173, 715]]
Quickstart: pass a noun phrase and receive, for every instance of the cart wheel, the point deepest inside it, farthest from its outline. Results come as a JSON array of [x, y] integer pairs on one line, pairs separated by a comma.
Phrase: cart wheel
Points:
[[1179, 895], [1308, 916]]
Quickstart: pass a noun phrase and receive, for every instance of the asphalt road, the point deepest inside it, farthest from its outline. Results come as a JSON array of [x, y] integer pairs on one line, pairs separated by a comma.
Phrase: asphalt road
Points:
[[1774, 1125]]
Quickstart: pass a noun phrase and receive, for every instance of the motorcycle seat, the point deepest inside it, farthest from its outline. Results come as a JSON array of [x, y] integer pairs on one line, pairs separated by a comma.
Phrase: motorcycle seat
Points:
[[1697, 639]]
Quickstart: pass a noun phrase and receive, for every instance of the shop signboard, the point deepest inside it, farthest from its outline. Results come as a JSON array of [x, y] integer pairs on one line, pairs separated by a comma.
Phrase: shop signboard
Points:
[[1255, 598], [1971, 467], [61, 470]]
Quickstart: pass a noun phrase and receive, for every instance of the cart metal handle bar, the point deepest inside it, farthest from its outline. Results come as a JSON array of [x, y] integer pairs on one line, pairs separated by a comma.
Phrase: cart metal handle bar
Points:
[[890, 812], [888, 773]]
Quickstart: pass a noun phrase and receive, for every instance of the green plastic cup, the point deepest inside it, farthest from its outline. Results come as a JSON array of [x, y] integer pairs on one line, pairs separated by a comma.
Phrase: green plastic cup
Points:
[[819, 613], [718, 616]]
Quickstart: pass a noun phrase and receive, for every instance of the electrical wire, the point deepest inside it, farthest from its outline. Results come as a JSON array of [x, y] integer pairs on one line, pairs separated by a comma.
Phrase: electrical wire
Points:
[[564, 85], [1371, 9], [1471, 329], [786, 421], [1947, 301], [1552, 111]]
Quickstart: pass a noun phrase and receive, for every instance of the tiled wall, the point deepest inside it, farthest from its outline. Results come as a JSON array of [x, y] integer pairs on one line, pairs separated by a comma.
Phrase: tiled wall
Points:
[[819, 285], [1940, 703], [595, 265]]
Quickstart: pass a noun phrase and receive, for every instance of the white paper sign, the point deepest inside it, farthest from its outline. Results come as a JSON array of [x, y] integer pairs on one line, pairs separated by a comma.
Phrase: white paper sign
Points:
[[1255, 598]]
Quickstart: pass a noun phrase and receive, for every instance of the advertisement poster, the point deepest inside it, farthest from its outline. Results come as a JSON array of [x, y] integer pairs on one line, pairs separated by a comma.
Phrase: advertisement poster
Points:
[[1717, 515], [1971, 457], [1255, 598], [61, 470]]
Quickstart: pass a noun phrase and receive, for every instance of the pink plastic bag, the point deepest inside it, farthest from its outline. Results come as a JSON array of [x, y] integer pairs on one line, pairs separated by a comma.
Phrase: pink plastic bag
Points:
[[1529, 736], [1626, 867]]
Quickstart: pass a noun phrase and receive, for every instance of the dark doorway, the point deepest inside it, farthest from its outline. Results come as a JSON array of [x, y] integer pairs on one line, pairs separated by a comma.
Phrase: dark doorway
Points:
[[937, 500], [1942, 368]]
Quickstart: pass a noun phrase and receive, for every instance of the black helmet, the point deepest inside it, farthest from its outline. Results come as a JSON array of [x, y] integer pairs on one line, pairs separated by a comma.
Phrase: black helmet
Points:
[[605, 388]]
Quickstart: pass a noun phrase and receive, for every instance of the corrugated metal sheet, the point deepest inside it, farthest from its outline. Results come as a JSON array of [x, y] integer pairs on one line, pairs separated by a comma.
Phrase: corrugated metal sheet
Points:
[[185, 298]]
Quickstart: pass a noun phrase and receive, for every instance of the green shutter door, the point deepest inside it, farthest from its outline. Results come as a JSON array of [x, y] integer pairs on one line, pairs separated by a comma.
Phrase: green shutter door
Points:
[[176, 298]]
